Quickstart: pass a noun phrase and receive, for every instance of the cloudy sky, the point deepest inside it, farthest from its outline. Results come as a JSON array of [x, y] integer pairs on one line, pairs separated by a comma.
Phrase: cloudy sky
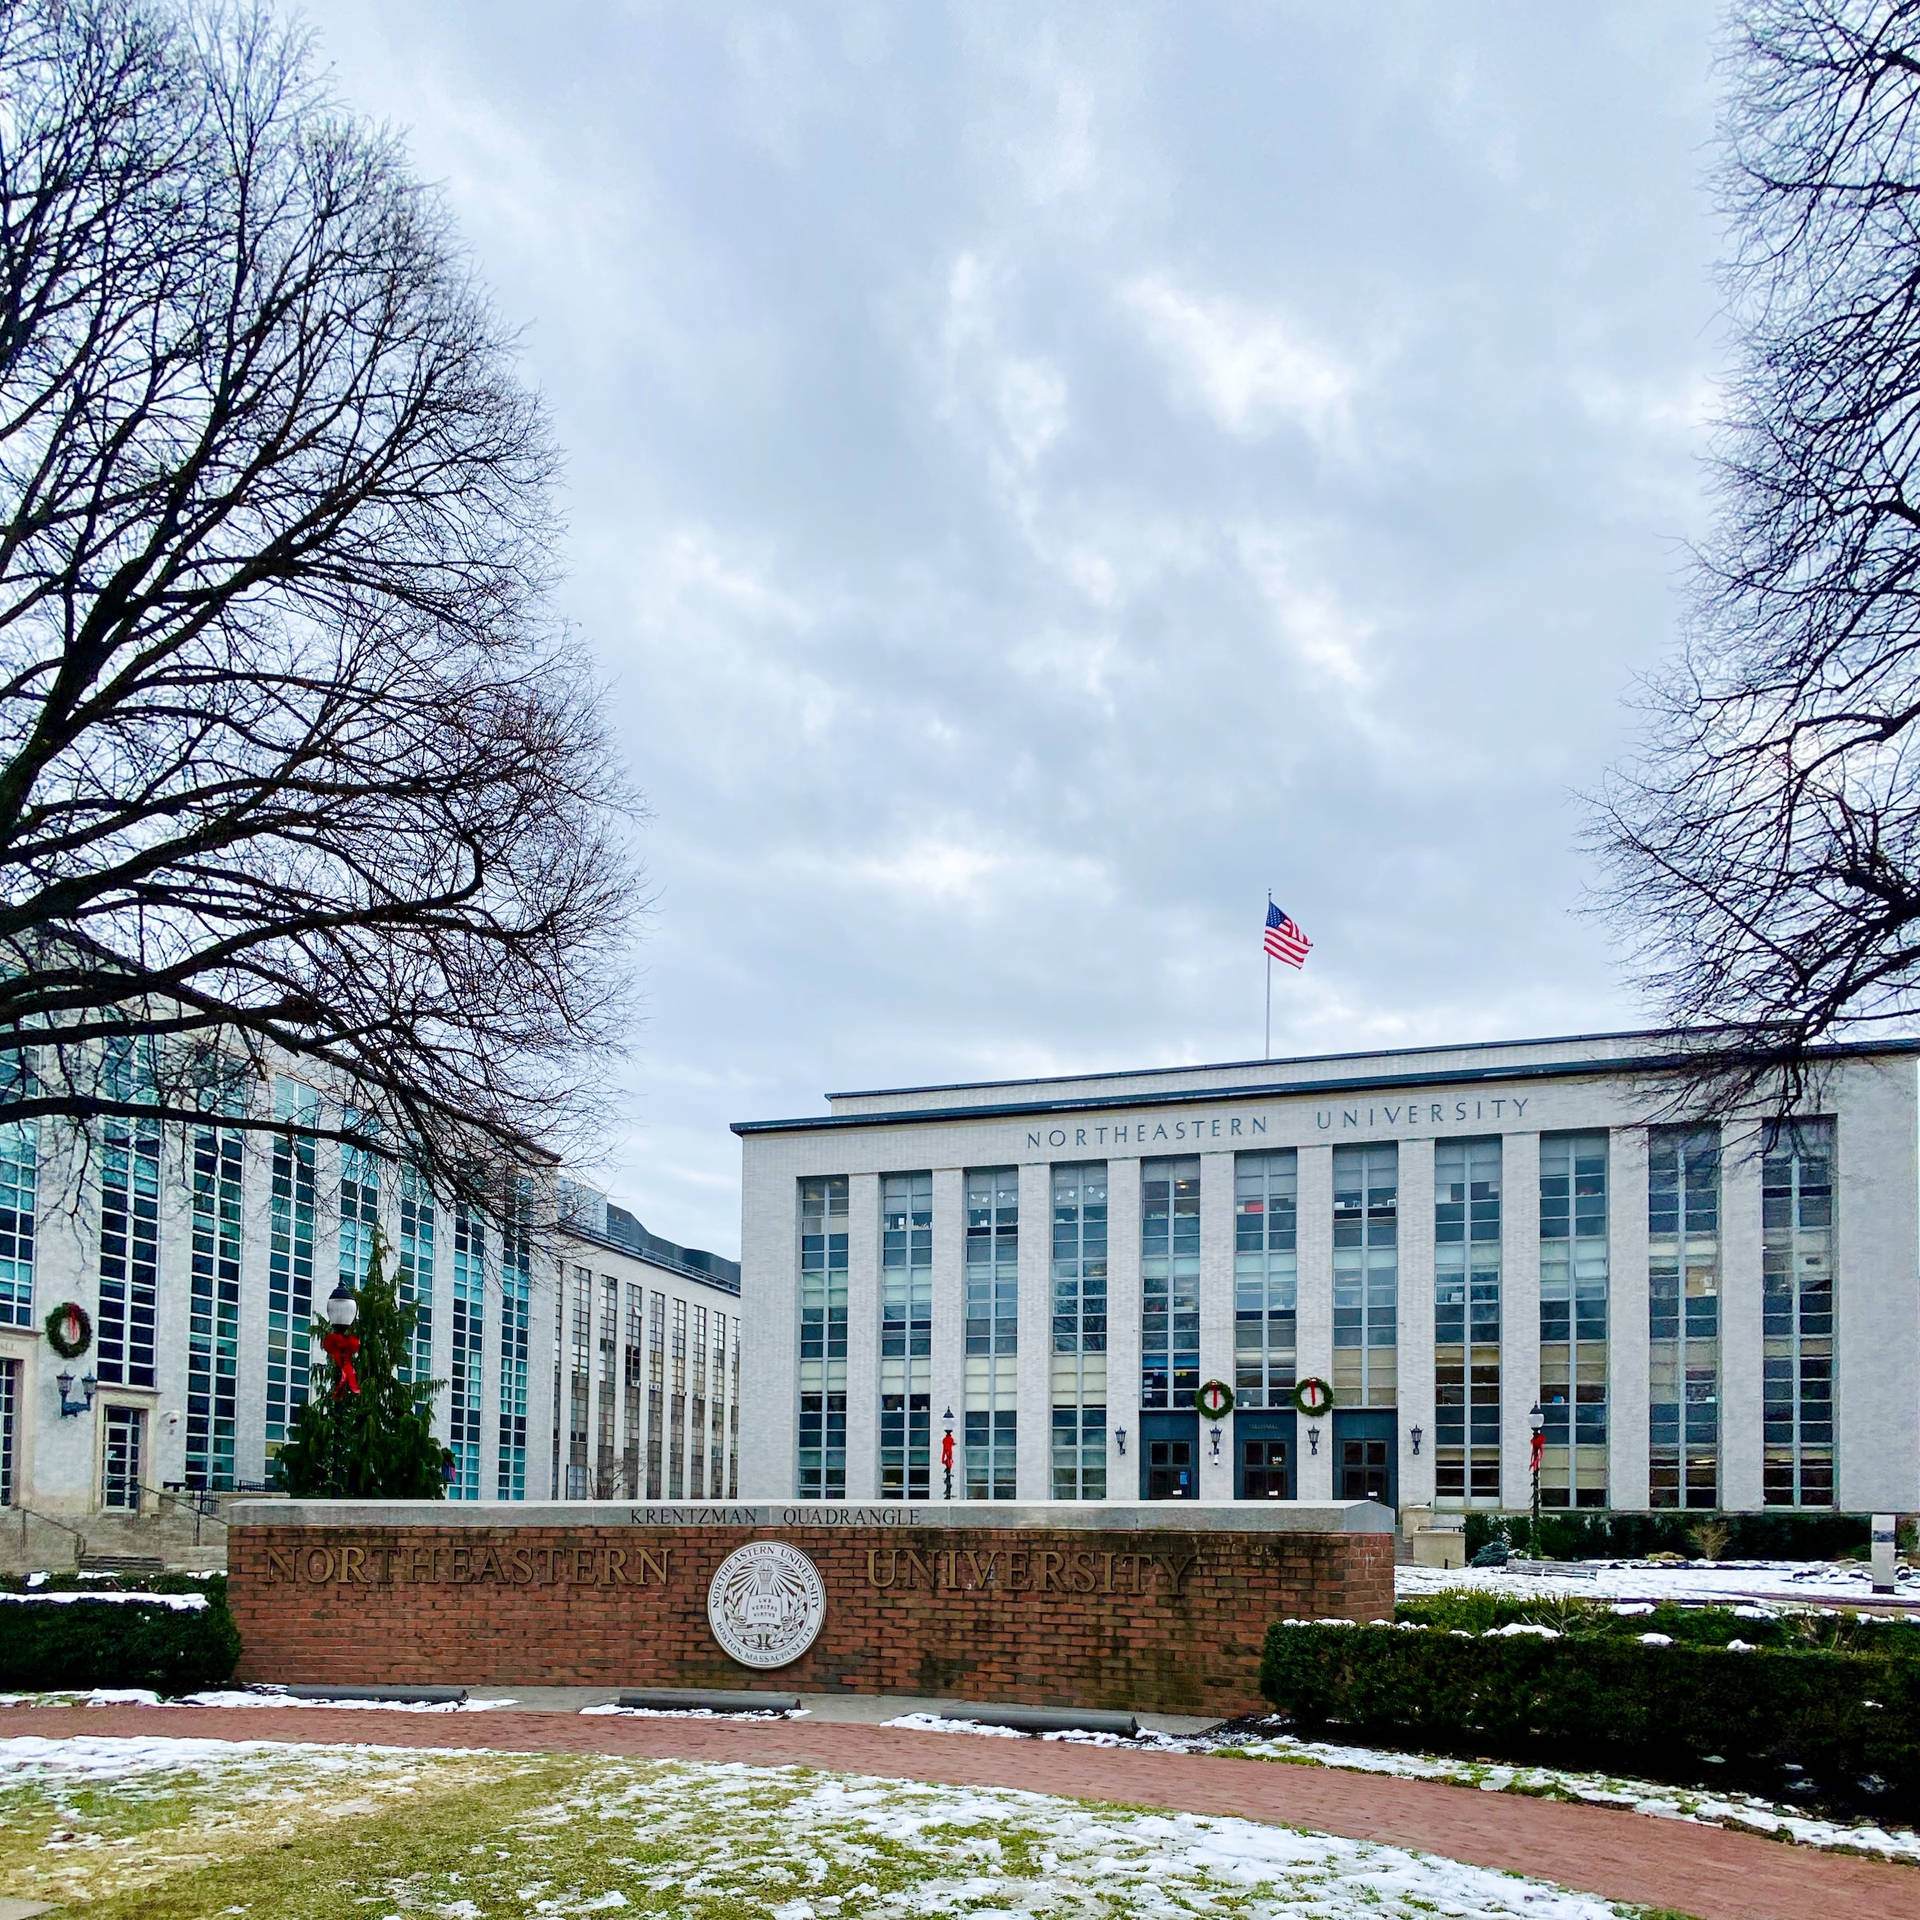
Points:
[[1041, 475]]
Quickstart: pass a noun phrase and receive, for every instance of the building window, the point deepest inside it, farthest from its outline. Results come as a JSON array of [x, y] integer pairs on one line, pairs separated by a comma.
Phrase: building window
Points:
[[1366, 1274], [122, 1445], [992, 1332], [606, 1468], [697, 1424], [213, 1318], [1079, 1378], [359, 1208], [656, 1394], [516, 1323], [677, 1414], [733, 1416], [1683, 1284], [579, 1382], [464, 1375], [9, 1409], [633, 1386], [290, 1206], [1169, 1282], [1797, 1328], [716, 1403], [415, 1283], [906, 1335], [19, 1172], [823, 1339], [129, 1228], [1265, 1277], [1466, 1321], [1573, 1319]]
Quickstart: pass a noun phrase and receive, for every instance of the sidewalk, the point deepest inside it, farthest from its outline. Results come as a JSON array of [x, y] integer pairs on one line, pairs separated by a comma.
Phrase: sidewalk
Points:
[[1707, 1872]]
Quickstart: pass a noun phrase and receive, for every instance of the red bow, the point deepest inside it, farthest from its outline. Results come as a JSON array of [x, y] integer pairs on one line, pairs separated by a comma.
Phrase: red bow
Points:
[[340, 1347], [946, 1450], [1539, 1450]]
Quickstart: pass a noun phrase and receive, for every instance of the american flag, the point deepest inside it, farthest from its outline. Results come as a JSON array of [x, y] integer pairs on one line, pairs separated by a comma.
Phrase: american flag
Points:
[[1284, 940]]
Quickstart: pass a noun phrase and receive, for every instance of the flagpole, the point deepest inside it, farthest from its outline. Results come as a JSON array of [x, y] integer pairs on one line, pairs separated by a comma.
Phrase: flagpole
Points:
[[1266, 1049]]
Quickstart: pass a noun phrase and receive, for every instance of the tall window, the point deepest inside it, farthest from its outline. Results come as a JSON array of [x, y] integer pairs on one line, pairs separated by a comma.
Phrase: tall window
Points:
[[129, 1228], [1466, 1321], [606, 1472], [9, 1405], [733, 1414], [1683, 1285], [359, 1209], [1169, 1282], [1573, 1319], [1366, 1274], [1797, 1313], [677, 1414], [516, 1313], [464, 1375], [716, 1405], [697, 1423], [906, 1335], [579, 1382], [633, 1385], [290, 1204], [416, 1269], [1265, 1277], [992, 1331], [656, 1394], [823, 1339], [213, 1318], [1079, 1384], [19, 1172]]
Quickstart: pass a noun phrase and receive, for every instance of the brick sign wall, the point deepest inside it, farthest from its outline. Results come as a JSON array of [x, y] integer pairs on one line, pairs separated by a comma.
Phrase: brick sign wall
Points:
[[1150, 1620]]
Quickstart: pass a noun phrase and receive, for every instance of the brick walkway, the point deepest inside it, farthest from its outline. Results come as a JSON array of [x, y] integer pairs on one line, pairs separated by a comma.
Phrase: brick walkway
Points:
[[1704, 1871]]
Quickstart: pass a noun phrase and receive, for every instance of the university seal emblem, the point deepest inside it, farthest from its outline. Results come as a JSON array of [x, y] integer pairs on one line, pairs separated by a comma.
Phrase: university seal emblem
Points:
[[766, 1604]]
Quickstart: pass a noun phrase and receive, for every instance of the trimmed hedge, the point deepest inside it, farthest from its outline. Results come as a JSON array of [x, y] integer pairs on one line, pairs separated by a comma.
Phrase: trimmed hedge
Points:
[[51, 1646], [1632, 1536], [1827, 1630], [1845, 1723]]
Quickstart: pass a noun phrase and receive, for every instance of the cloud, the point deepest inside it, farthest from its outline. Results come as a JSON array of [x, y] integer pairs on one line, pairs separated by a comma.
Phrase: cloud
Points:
[[1249, 368]]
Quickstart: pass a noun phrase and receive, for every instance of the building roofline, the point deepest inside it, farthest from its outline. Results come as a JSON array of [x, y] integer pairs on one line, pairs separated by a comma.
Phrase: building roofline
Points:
[[706, 1277], [1281, 1089]]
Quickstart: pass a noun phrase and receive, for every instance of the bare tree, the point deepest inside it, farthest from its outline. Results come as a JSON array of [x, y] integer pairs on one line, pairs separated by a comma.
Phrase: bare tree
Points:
[[1765, 848], [294, 764]]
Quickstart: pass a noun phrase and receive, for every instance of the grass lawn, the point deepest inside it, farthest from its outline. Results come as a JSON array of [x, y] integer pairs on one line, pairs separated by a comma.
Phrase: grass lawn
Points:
[[179, 1829]]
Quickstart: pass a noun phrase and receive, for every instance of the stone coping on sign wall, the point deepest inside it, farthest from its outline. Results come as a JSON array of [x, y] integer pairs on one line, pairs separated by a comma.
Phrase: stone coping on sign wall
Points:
[[1174, 1516]]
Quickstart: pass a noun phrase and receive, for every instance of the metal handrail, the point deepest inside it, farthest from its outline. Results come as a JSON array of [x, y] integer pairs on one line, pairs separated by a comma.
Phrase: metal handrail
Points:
[[33, 1513]]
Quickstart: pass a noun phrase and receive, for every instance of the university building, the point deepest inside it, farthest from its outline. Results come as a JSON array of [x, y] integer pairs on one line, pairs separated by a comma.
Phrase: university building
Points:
[[581, 1353], [1388, 1260]]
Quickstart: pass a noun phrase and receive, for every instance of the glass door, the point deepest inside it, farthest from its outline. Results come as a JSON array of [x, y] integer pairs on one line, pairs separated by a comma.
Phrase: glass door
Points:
[[125, 1435]]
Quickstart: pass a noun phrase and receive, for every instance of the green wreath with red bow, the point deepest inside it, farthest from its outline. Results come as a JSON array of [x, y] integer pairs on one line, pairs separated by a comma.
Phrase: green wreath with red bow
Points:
[[69, 1331]]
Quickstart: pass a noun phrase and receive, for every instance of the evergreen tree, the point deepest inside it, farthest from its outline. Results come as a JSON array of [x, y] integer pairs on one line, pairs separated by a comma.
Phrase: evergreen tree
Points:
[[376, 1444]]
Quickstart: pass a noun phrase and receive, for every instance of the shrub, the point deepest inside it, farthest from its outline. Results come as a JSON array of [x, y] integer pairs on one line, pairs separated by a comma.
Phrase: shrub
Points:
[[1847, 1722], [1603, 1535], [52, 1645]]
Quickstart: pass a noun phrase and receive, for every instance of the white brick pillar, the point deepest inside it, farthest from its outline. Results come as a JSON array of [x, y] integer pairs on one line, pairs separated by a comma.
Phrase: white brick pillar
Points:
[[948, 1387], [863, 1336], [1314, 1479], [1123, 1328], [1519, 1313], [1627, 1341], [1740, 1318], [1415, 1331]]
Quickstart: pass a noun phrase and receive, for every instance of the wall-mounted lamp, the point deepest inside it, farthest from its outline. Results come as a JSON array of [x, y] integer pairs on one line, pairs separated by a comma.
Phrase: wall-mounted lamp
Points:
[[1313, 1441], [1120, 1440], [1216, 1443], [1414, 1436], [68, 1404]]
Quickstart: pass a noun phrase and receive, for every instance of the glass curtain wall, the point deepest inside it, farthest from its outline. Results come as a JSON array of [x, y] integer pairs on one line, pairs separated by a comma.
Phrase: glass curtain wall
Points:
[[290, 1233], [1366, 1274], [213, 1312], [468, 1342], [125, 1326], [579, 1381], [1797, 1328], [416, 1269], [1169, 1282], [1079, 1363], [1683, 1284], [992, 1332], [1265, 1277], [1573, 1319], [19, 1175], [633, 1387], [823, 1341], [906, 1336], [656, 1394], [677, 1415]]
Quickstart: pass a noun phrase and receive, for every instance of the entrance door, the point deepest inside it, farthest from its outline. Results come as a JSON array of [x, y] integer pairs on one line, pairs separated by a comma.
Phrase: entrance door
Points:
[[1263, 1456], [1365, 1462], [1170, 1456], [126, 1429]]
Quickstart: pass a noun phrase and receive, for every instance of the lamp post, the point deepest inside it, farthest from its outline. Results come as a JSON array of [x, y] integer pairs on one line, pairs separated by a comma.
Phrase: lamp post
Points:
[[946, 1452], [340, 1345], [1537, 1427]]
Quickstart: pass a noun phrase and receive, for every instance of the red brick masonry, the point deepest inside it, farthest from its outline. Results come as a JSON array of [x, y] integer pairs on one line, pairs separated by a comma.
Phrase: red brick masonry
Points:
[[1156, 1621]]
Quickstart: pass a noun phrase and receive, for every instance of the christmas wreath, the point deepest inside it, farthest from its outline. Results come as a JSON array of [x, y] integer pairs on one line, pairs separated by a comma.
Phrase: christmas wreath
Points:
[[1312, 1397], [1215, 1400], [69, 1331]]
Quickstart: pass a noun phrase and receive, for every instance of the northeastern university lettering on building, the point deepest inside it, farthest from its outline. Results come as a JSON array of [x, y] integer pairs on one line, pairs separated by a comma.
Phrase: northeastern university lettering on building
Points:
[[1342, 1277]]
